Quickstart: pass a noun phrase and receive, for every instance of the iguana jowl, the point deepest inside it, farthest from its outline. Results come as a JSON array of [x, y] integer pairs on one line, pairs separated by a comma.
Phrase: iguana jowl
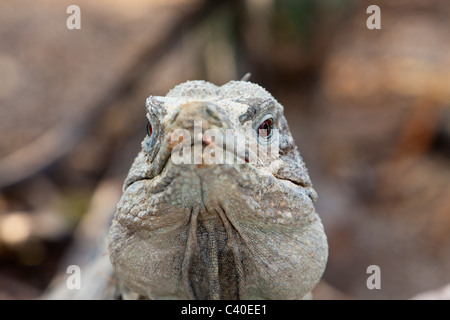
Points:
[[241, 230]]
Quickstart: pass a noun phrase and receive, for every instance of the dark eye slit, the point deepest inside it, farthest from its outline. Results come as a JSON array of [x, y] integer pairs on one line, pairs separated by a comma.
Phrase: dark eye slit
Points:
[[149, 129]]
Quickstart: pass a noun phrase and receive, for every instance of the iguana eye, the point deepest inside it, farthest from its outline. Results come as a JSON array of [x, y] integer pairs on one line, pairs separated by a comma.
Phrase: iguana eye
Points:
[[149, 129], [265, 129]]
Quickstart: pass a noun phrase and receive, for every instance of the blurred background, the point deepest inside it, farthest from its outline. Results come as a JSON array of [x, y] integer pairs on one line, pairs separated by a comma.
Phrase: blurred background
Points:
[[369, 110]]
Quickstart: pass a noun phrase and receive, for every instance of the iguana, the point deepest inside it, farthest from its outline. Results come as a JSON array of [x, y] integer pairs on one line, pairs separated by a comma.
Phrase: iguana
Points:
[[208, 227]]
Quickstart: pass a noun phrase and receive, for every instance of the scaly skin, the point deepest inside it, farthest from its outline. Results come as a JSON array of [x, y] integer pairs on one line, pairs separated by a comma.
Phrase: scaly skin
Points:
[[242, 230]]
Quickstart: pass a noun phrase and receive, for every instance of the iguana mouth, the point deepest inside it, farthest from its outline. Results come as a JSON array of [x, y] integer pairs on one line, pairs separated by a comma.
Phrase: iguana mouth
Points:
[[312, 194]]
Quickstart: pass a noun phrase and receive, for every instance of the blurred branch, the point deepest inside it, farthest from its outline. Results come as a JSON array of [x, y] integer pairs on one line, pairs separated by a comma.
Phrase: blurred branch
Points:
[[60, 139], [89, 249]]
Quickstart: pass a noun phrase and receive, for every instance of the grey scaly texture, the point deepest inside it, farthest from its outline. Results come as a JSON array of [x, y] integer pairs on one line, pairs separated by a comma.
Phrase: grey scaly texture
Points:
[[245, 230]]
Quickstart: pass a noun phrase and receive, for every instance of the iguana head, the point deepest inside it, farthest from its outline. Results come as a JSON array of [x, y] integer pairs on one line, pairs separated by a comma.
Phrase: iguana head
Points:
[[218, 204]]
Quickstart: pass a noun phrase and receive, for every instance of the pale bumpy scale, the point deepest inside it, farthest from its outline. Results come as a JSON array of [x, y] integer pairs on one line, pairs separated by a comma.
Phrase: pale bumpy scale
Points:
[[217, 231]]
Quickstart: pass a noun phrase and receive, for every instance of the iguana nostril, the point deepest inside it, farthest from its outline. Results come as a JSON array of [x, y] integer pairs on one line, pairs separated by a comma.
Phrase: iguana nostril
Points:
[[211, 111], [174, 118]]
